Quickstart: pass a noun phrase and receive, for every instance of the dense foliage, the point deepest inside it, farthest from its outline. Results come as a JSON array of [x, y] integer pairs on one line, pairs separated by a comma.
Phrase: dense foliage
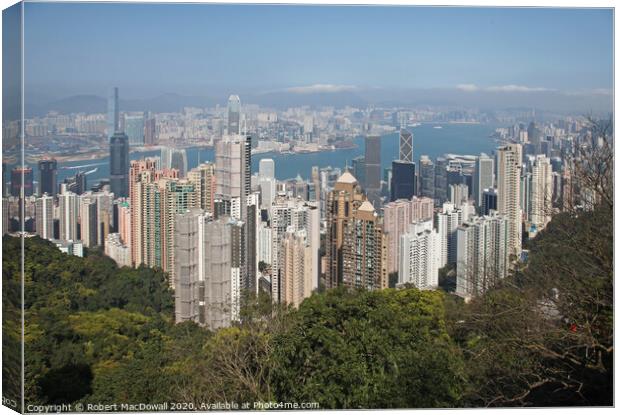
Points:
[[545, 335], [99, 333], [369, 349]]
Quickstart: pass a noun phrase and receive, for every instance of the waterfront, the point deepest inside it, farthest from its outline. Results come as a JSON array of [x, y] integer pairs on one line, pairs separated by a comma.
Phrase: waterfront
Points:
[[452, 138]]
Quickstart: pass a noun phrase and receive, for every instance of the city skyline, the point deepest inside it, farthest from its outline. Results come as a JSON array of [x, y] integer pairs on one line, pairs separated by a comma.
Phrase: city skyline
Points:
[[289, 207]]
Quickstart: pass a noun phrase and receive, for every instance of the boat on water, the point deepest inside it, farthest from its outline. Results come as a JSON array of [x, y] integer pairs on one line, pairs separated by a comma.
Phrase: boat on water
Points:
[[438, 127]]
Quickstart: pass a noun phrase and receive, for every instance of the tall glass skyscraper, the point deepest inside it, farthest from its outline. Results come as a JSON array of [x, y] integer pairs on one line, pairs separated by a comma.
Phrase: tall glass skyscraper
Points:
[[372, 162], [119, 164], [358, 167], [134, 128], [113, 117], [483, 177], [234, 114], [427, 177], [403, 180], [47, 176], [441, 180]]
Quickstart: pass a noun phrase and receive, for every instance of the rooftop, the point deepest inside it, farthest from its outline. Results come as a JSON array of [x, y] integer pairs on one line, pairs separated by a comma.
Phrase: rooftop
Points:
[[347, 178]]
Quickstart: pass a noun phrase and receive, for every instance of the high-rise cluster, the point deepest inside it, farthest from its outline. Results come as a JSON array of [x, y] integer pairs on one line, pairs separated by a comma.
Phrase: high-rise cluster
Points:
[[222, 233]]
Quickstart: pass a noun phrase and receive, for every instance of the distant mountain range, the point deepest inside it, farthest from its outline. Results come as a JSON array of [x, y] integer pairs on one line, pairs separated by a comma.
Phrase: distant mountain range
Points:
[[172, 102], [91, 104]]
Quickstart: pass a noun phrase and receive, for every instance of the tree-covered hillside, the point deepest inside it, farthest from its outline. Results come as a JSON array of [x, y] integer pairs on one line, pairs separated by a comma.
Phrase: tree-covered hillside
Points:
[[99, 333]]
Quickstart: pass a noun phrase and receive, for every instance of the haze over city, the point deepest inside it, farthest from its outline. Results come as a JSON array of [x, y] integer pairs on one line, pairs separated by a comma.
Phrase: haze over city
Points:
[[489, 57]]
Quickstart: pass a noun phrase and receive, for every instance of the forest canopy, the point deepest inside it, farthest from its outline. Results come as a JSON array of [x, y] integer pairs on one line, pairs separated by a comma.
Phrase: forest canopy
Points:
[[97, 333]]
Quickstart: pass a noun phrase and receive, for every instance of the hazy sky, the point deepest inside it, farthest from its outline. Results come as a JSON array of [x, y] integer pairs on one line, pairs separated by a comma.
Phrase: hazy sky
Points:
[[270, 47]]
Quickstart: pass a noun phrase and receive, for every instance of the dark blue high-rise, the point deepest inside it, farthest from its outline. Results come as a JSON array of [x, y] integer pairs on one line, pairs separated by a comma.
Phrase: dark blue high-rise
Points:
[[403, 180], [119, 164]]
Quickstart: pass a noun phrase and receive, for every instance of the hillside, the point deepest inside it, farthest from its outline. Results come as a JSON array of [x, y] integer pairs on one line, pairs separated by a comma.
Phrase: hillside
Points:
[[97, 333]]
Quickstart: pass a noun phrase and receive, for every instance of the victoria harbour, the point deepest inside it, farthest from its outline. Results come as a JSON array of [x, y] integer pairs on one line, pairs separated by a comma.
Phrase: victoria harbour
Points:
[[464, 139]]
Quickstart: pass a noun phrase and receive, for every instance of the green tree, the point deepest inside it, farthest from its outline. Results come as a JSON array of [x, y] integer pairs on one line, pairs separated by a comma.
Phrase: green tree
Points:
[[368, 349]]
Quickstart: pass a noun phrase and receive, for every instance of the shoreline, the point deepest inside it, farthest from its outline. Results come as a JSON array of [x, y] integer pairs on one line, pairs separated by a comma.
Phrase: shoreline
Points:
[[100, 155]]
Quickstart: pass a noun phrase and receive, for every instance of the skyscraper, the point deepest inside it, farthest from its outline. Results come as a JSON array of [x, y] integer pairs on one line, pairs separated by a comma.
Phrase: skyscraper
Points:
[[427, 177], [208, 267], [342, 201], [124, 225], [396, 221], [249, 279], [316, 181], [296, 277], [483, 178], [178, 161], [364, 250], [356, 251], [489, 201], [358, 169], [406, 146], [113, 113], [541, 192], [419, 255], [149, 226], [141, 173], [88, 220], [289, 214], [267, 191], [458, 194], [508, 193], [150, 131], [203, 179], [447, 222], [299, 253], [105, 214], [403, 184], [119, 164], [266, 182], [232, 170], [441, 180], [267, 168], [534, 136], [17, 175], [48, 172], [172, 158], [482, 256], [397, 216], [134, 128], [372, 161], [190, 244], [178, 197], [233, 161], [68, 208], [234, 115], [44, 217]]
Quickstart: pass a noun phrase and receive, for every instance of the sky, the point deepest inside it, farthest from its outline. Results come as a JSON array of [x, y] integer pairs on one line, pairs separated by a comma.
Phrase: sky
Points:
[[155, 48]]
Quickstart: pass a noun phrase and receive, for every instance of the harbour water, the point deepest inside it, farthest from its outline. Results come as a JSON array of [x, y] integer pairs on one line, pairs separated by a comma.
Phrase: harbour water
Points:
[[451, 138]]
